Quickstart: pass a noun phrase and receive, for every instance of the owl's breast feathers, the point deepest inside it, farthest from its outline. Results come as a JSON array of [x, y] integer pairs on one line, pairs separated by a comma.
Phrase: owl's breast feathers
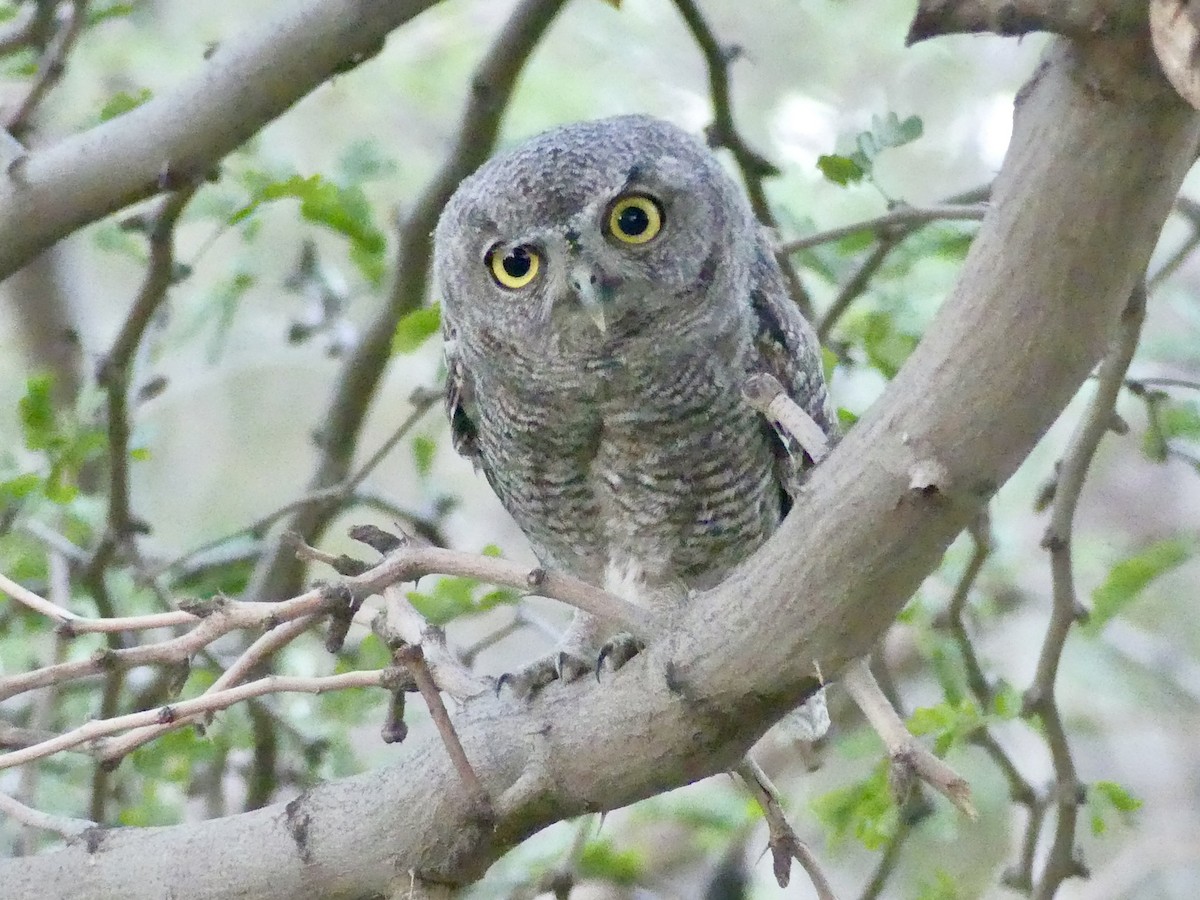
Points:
[[629, 461]]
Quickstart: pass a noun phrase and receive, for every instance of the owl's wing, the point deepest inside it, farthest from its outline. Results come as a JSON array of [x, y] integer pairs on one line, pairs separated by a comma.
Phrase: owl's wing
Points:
[[460, 401], [788, 348]]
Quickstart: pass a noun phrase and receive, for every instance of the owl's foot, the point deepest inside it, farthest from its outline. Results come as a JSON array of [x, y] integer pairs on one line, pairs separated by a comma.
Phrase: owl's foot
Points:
[[618, 651], [561, 665]]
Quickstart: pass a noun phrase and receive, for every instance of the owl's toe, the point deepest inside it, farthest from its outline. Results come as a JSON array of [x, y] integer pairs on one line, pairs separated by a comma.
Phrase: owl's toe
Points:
[[558, 666], [618, 651]]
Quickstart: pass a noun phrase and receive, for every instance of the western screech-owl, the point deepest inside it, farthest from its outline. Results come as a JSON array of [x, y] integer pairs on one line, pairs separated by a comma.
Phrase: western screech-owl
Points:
[[606, 291]]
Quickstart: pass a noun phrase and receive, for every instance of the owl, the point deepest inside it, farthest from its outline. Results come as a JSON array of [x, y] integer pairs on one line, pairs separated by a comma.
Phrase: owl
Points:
[[606, 292]]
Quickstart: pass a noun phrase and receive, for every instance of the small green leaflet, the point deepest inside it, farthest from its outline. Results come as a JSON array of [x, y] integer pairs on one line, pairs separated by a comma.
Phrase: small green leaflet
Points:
[[1168, 419], [423, 450], [885, 133], [1128, 578], [864, 809], [415, 328], [123, 102], [1103, 796], [343, 209]]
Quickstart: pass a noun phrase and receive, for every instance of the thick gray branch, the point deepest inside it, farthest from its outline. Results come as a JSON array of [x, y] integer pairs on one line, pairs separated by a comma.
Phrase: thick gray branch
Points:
[[181, 134], [1098, 153]]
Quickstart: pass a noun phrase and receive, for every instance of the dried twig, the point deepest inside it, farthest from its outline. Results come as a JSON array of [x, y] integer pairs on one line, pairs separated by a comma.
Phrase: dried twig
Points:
[[51, 65], [413, 659], [263, 648]]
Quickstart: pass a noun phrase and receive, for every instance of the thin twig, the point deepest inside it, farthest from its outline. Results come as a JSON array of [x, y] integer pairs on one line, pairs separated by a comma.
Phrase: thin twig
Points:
[[723, 132], [206, 703], [61, 825], [412, 657], [907, 217], [116, 370], [980, 534], [856, 284], [51, 66], [73, 624], [266, 645], [1040, 698], [400, 623], [785, 844]]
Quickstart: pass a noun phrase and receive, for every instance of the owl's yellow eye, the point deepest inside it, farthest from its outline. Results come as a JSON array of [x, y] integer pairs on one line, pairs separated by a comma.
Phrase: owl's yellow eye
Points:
[[635, 219], [516, 268]]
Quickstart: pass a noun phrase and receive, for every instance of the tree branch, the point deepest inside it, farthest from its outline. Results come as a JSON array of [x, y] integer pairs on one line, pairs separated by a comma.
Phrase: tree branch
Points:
[[248, 81]]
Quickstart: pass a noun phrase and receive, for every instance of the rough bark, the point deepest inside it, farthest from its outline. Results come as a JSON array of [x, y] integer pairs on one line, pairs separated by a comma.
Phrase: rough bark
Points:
[[1100, 147]]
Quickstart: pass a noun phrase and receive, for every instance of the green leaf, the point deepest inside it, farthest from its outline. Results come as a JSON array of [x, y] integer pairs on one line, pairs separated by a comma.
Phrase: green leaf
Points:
[[37, 413], [1128, 578], [601, 860], [941, 887], [1103, 796], [122, 102], [1006, 700], [423, 450], [886, 346], [492, 550], [99, 13], [951, 723], [141, 454], [885, 133], [342, 209], [864, 809], [21, 486], [415, 328], [1169, 419], [840, 169]]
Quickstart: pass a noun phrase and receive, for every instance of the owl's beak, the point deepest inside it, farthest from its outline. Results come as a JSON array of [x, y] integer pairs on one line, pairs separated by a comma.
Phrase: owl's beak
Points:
[[593, 295]]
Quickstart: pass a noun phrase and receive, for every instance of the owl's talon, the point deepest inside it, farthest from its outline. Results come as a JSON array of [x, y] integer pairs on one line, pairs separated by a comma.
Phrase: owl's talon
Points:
[[618, 651]]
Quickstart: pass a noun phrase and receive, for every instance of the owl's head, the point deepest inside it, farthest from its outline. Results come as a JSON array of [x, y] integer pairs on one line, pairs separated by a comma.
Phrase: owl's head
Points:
[[593, 232]]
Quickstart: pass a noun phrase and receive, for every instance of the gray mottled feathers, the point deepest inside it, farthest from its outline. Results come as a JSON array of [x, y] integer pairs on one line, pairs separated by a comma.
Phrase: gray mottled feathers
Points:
[[602, 399]]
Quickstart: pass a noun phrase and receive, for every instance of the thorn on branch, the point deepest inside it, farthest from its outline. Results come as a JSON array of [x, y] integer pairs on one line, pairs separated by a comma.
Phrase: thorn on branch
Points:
[[344, 603], [202, 609], [394, 729], [376, 538]]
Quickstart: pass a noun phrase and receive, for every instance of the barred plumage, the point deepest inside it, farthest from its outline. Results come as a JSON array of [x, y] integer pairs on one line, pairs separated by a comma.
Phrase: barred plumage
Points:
[[606, 291]]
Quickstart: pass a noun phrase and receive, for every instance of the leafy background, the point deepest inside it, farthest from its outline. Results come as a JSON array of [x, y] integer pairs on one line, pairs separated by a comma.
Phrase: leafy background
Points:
[[287, 254]]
